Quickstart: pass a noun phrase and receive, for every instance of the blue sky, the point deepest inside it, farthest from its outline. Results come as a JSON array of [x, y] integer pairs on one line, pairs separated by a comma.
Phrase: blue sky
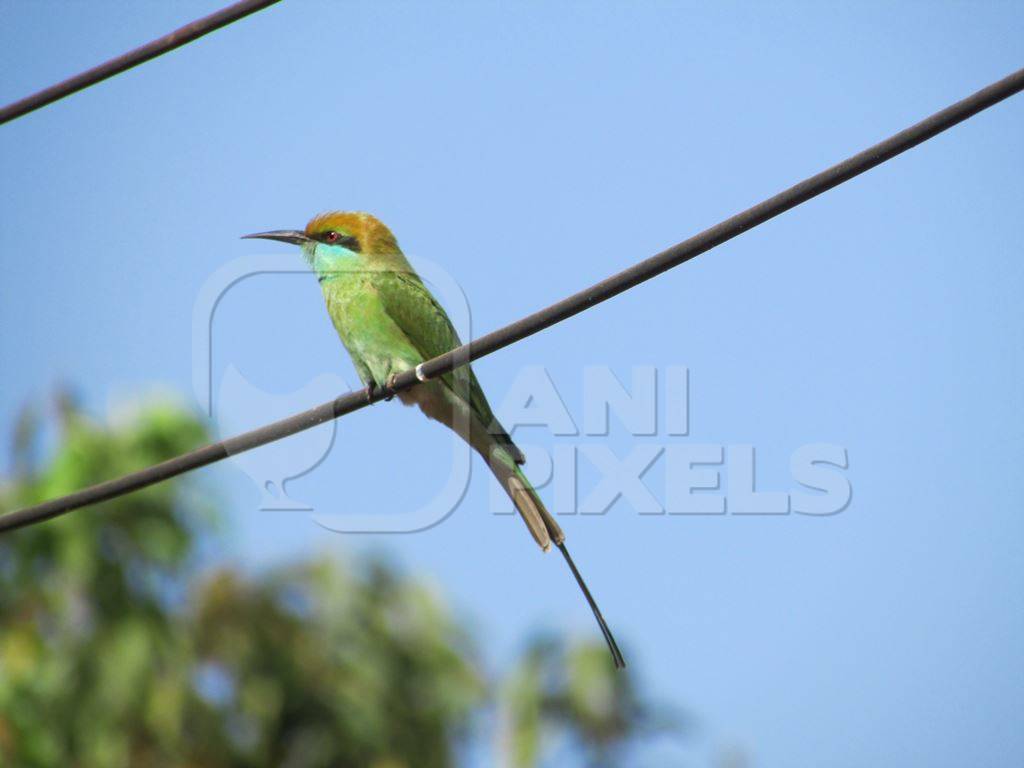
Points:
[[529, 150]]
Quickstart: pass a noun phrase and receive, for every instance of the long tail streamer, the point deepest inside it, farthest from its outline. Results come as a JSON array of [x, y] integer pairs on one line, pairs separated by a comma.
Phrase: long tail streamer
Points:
[[609, 638]]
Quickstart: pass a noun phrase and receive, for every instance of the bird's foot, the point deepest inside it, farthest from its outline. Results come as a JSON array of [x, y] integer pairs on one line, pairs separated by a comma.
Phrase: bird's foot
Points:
[[390, 387]]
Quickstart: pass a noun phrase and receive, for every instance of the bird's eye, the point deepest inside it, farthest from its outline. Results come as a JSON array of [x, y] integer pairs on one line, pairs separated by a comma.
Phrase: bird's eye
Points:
[[331, 237]]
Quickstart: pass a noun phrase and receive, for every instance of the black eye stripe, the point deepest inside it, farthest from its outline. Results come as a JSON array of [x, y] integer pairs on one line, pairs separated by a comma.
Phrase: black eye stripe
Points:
[[332, 237]]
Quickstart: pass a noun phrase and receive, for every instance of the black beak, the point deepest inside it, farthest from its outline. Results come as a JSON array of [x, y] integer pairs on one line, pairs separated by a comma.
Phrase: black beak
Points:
[[281, 235]]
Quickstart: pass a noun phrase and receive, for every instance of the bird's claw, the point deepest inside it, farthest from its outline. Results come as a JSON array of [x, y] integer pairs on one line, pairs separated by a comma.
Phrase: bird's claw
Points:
[[390, 387]]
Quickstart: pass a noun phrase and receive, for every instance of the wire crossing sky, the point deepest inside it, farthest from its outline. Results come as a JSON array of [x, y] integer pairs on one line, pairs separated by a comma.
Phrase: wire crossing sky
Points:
[[538, 321], [133, 58]]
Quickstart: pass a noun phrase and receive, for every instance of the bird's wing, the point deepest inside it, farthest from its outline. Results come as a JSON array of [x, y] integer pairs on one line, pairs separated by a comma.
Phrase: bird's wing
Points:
[[424, 321]]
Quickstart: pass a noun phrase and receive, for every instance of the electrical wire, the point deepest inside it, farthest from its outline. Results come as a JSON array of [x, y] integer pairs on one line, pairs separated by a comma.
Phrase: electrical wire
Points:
[[538, 321], [133, 58]]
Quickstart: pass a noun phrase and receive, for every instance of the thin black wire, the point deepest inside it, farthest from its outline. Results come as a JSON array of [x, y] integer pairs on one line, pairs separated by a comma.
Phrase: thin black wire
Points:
[[538, 321], [133, 58]]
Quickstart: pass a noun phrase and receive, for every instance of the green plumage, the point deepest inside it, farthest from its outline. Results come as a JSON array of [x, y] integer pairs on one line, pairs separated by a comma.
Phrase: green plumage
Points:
[[390, 323]]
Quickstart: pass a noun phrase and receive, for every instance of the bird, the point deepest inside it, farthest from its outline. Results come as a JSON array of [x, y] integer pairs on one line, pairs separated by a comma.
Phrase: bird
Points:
[[390, 323]]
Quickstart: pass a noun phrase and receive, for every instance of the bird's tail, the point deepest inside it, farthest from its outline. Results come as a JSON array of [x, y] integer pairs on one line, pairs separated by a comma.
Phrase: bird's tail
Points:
[[544, 529]]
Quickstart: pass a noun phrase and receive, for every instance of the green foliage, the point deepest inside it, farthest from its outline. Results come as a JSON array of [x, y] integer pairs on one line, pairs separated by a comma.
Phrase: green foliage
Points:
[[89, 644], [116, 651], [573, 693]]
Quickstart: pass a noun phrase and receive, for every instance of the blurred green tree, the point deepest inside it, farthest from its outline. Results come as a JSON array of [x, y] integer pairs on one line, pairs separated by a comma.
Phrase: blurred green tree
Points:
[[115, 650]]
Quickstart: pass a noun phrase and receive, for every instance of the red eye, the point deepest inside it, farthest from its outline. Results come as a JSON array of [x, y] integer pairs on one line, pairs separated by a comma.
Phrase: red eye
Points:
[[331, 237]]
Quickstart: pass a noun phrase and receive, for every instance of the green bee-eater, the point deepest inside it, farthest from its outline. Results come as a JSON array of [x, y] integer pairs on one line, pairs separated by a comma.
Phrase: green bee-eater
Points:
[[389, 323]]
